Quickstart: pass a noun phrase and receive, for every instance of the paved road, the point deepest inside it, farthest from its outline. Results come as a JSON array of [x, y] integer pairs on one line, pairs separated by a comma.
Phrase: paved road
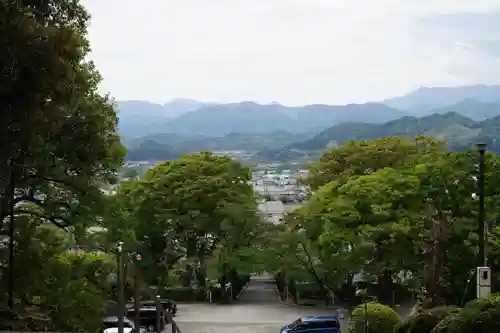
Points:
[[259, 310]]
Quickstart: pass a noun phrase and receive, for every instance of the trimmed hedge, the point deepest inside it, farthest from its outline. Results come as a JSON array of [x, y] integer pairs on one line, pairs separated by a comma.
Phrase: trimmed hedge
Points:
[[183, 294], [426, 320], [405, 325], [478, 316], [380, 319]]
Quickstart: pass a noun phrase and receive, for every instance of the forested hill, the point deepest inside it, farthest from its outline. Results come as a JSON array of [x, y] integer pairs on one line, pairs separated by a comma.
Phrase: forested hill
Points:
[[170, 146], [459, 131]]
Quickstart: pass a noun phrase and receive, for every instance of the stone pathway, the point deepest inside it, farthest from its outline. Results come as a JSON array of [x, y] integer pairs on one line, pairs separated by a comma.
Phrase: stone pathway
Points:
[[258, 310]]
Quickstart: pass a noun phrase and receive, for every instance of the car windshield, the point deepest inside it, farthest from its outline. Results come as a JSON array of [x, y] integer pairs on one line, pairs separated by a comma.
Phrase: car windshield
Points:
[[111, 324], [107, 325], [143, 313], [295, 323]]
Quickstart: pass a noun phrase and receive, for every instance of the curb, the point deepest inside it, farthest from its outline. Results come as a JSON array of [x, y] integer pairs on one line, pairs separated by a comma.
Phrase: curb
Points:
[[279, 295], [242, 290]]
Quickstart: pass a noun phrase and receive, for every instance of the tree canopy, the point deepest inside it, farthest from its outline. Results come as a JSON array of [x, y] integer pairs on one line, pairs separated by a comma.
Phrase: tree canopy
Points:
[[58, 147], [398, 212]]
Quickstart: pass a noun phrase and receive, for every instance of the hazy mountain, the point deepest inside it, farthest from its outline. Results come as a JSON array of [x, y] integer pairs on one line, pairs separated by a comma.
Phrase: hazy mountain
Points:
[[179, 106], [192, 118], [249, 117], [137, 117], [424, 99], [473, 109]]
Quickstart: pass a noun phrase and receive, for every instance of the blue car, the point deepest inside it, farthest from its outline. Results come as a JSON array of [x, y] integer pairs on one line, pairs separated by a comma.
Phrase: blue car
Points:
[[314, 324]]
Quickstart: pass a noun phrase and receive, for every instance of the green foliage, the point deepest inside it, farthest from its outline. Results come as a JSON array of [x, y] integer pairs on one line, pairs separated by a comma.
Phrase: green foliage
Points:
[[40, 106], [478, 316], [194, 219], [366, 156], [380, 318], [382, 208], [58, 147], [171, 146], [57, 284], [405, 325], [183, 294], [426, 320]]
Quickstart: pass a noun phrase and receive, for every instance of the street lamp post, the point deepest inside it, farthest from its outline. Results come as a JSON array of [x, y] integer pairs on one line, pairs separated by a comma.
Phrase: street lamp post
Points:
[[158, 314], [11, 242], [482, 261], [483, 272], [137, 295], [121, 291]]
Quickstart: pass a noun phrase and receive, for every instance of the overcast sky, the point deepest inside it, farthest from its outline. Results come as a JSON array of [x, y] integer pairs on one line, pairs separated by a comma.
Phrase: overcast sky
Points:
[[292, 51]]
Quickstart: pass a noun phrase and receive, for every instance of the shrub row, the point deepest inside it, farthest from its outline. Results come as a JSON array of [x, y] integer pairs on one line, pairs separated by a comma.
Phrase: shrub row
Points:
[[188, 294], [478, 316]]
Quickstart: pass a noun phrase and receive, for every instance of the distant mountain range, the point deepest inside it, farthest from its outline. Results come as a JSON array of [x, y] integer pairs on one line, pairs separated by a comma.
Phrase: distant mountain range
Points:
[[425, 100], [192, 118]]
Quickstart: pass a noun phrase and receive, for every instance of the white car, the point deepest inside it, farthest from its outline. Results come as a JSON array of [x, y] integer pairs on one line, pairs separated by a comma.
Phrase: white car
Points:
[[125, 330], [115, 330]]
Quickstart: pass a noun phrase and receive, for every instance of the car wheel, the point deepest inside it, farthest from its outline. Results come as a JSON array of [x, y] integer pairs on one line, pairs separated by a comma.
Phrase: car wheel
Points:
[[151, 328]]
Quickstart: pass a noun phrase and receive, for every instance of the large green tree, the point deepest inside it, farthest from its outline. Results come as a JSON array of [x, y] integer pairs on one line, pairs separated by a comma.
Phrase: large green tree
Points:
[[58, 147], [189, 208], [401, 212], [58, 139]]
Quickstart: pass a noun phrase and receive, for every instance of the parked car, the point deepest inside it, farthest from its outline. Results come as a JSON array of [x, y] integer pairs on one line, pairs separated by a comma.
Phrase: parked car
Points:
[[147, 318], [167, 304], [314, 324], [110, 325], [115, 330]]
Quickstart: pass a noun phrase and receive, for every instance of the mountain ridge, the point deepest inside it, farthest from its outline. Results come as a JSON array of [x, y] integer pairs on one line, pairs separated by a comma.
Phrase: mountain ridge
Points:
[[458, 130], [189, 117]]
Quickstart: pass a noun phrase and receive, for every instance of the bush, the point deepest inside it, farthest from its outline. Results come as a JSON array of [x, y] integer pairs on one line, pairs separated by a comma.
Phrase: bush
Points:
[[478, 316], [425, 321], [183, 294], [405, 325], [380, 319]]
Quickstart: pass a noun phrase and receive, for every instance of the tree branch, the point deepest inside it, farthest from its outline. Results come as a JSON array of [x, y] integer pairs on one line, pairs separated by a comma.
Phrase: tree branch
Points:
[[56, 220], [58, 181]]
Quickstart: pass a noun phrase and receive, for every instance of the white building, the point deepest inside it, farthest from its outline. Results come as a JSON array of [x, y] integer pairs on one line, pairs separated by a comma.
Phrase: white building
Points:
[[273, 211]]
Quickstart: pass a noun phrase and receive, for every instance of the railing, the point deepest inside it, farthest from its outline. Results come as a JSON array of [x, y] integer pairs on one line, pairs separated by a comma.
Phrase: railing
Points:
[[175, 329]]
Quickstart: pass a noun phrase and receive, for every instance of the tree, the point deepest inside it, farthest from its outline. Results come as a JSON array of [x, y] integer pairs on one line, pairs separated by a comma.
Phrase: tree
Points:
[[400, 212], [189, 207], [58, 145], [57, 283], [50, 93]]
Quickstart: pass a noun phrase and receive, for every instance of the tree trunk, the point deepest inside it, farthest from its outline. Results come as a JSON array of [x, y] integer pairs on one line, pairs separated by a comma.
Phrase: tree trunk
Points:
[[386, 288]]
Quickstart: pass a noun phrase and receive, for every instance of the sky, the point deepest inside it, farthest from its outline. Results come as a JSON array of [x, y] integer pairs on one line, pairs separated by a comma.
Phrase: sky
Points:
[[295, 52]]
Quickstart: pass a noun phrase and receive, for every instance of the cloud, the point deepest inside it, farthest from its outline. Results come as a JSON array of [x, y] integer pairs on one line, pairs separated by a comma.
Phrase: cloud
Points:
[[471, 30], [293, 51]]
